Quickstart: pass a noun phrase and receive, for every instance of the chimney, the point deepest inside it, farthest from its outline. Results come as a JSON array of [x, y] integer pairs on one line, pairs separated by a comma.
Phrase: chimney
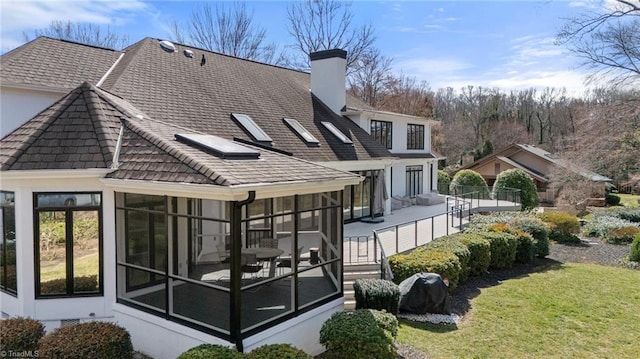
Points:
[[328, 78]]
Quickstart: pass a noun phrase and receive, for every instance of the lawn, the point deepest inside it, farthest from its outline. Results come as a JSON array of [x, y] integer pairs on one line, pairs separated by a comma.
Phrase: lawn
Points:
[[561, 311], [628, 200], [83, 266]]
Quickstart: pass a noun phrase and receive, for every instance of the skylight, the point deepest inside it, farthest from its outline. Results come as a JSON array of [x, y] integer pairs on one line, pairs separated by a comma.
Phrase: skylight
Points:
[[300, 130], [247, 123], [341, 136], [218, 146]]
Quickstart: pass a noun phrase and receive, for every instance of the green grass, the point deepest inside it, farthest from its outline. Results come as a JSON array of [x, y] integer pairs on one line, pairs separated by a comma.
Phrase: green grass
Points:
[[628, 200], [566, 311], [83, 266]]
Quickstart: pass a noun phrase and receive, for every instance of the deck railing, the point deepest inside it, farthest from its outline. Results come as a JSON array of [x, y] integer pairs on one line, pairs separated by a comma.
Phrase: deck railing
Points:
[[403, 237]]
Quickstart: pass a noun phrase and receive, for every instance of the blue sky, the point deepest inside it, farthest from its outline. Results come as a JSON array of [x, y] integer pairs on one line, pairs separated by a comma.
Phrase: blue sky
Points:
[[504, 44]]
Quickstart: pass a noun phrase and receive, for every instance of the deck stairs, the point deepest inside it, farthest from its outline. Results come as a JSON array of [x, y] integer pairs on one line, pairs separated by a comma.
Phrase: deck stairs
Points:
[[355, 271]]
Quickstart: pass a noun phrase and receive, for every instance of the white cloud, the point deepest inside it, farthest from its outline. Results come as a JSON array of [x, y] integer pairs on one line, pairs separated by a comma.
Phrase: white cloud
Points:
[[26, 15]]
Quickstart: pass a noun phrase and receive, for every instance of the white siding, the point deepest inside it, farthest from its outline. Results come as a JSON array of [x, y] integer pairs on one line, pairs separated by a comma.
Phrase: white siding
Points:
[[18, 105]]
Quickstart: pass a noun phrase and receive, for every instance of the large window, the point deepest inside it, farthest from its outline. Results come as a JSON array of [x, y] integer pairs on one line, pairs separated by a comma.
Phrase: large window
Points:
[[381, 131], [8, 279], [68, 243], [177, 258], [414, 180], [415, 137]]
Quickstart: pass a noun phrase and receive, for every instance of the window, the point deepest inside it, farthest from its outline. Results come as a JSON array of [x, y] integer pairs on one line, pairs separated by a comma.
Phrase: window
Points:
[[341, 136], [68, 244], [247, 123], [301, 131], [8, 279], [414, 180], [415, 137], [496, 168], [381, 131]]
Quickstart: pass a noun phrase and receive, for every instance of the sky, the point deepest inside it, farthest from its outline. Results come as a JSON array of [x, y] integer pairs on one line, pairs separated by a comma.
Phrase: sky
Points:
[[506, 44]]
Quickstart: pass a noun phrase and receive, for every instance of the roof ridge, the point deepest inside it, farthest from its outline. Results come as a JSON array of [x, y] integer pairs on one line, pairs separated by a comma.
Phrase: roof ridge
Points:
[[121, 66]]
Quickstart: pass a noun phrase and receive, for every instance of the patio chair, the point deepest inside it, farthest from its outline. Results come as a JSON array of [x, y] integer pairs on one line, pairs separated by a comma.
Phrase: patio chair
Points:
[[250, 265], [287, 261]]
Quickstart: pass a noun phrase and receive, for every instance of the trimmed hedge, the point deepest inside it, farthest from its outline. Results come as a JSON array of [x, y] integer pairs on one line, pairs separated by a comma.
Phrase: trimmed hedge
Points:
[[634, 253], [518, 179], [277, 351], [20, 334], [208, 351], [480, 253], [611, 199], [431, 260], [377, 294], [452, 243], [81, 284], [526, 249], [503, 249], [444, 180], [564, 226], [361, 334], [87, 341]]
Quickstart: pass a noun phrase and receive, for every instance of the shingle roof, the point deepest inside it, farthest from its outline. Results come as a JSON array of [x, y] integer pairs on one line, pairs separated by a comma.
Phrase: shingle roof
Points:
[[57, 64], [78, 131], [177, 89], [81, 131]]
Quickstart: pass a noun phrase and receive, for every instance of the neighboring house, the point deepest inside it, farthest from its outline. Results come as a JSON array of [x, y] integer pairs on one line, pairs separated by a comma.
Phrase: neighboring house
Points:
[[147, 193], [535, 161]]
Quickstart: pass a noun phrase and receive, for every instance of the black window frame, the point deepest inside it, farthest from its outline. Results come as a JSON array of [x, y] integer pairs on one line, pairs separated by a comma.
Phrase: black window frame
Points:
[[4, 207], [382, 131], [414, 180], [415, 137], [68, 208]]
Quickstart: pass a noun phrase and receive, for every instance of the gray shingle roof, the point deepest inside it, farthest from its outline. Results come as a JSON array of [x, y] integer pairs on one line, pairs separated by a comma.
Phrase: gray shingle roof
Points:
[[57, 64], [81, 131], [176, 89]]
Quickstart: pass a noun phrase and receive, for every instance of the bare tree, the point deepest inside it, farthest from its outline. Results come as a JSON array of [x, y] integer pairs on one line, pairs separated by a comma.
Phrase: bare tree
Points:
[[370, 80], [90, 34], [327, 24], [405, 95], [608, 41], [228, 30]]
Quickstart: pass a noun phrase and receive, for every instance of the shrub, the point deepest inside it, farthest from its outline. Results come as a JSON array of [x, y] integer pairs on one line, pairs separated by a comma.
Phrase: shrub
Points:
[[19, 334], [377, 294], [526, 249], [600, 225], [453, 244], [611, 199], [444, 180], [503, 249], [87, 341], [564, 226], [538, 230], [208, 351], [518, 179], [621, 235], [358, 335], [469, 181], [432, 260], [634, 254], [81, 284], [277, 351], [479, 253]]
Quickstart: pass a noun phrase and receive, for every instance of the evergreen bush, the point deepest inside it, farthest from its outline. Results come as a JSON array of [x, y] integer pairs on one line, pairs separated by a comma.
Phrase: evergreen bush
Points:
[[479, 253], [563, 226], [19, 334], [465, 181], [612, 199], [432, 260], [622, 235], [452, 243], [87, 341], [634, 253], [377, 294], [277, 351], [518, 179], [209, 351], [360, 334], [503, 249], [444, 180]]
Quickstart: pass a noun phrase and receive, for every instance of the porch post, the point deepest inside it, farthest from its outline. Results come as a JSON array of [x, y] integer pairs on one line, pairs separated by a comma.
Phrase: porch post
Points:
[[236, 273]]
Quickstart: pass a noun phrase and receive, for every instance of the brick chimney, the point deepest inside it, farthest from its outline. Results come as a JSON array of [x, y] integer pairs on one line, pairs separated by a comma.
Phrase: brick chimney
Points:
[[328, 78]]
